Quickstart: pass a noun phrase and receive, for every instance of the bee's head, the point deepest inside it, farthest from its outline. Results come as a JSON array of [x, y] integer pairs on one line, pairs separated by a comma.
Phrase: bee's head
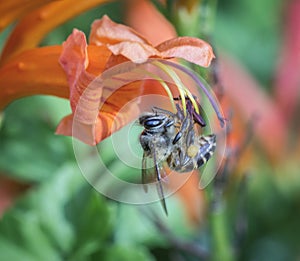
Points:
[[154, 122]]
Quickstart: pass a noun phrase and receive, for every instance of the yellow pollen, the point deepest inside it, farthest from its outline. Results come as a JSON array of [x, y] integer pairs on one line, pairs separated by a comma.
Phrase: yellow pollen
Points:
[[192, 151]]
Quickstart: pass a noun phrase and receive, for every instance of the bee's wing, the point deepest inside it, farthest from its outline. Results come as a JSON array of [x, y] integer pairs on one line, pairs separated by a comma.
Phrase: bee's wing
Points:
[[153, 174], [159, 186], [160, 192], [148, 173]]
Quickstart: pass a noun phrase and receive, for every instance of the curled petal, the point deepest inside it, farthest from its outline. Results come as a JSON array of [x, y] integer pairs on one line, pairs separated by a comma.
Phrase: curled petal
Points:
[[121, 40], [134, 51], [191, 49], [75, 60], [74, 56]]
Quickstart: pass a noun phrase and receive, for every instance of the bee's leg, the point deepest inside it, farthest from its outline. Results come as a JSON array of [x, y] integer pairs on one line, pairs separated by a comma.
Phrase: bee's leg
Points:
[[180, 113], [197, 117], [160, 110], [187, 142], [185, 124]]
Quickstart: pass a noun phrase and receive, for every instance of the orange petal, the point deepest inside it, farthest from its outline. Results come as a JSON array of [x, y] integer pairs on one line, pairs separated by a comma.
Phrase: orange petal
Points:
[[110, 118], [134, 51], [98, 57], [191, 49], [121, 40], [74, 56], [35, 71], [65, 126], [14, 9], [34, 26], [91, 122], [75, 61], [105, 31]]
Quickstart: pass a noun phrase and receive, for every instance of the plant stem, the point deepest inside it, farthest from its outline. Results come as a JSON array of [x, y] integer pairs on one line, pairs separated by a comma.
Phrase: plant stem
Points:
[[221, 245]]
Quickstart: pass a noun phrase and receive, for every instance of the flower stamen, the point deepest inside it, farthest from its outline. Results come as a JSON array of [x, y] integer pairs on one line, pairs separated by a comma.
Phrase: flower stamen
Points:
[[183, 90], [163, 84]]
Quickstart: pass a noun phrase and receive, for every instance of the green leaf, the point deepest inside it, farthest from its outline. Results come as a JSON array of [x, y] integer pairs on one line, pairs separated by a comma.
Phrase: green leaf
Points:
[[29, 148], [127, 253], [10, 251], [89, 216], [37, 223], [134, 224]]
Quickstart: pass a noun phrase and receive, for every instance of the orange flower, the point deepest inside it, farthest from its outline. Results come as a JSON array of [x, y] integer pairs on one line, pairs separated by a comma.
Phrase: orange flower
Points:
[[95, 105], [26, 70]]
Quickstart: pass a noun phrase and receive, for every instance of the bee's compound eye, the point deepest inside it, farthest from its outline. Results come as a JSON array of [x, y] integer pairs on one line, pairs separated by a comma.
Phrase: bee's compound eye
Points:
[[152, 123]]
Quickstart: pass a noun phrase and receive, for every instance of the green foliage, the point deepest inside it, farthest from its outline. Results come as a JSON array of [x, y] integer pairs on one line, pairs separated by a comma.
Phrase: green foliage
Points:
[[126, 253], [29, 149], [37, 224], [84, 21], [253, 26], [63, 219], [264, 214]]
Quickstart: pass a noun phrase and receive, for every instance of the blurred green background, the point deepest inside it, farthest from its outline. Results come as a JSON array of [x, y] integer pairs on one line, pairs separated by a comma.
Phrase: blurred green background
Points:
[[61, 217]]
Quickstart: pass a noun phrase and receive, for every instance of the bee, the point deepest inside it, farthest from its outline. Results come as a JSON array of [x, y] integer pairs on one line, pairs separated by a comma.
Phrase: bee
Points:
[[170, 138]]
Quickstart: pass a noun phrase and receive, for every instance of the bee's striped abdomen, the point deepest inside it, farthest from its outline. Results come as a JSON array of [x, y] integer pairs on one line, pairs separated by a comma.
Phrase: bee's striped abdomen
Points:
[[207, 148]]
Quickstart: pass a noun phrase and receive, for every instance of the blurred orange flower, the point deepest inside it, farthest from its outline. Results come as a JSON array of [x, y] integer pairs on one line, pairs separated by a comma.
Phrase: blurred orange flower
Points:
[[25, 69]]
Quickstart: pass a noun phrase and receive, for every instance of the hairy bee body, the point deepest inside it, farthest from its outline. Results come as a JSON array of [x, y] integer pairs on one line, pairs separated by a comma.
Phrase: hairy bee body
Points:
[[192, 156], [172, 139], [158, 134]]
